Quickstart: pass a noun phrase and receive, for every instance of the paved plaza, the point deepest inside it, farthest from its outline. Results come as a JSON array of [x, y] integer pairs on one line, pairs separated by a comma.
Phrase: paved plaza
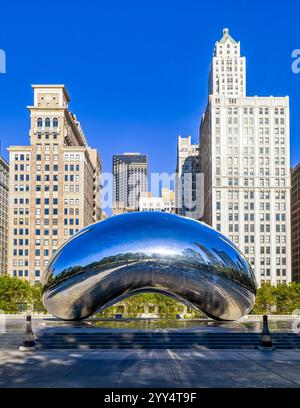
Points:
[[150, 368]]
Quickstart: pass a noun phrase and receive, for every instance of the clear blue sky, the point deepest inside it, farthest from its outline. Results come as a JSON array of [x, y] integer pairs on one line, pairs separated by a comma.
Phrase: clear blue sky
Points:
[[137, 70]]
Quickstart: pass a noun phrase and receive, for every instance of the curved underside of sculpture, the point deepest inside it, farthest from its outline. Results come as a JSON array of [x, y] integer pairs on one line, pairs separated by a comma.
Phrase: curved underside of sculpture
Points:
[[148, 251]]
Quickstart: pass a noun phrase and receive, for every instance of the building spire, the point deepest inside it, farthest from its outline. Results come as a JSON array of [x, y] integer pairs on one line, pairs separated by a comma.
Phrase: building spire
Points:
[[227, 36]]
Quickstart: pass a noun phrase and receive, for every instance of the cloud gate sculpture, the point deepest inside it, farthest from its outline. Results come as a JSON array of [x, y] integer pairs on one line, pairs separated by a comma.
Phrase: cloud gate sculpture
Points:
[[148, 251]]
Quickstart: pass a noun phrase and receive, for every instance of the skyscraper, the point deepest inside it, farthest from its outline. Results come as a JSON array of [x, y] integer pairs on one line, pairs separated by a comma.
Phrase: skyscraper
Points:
[[295, 223], [4, 172], [244, 155], [186, 177], [130, 179], [54, 184]]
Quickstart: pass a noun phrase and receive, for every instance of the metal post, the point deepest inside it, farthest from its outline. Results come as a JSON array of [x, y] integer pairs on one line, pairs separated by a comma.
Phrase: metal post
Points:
[[28, 339], [266, 342]]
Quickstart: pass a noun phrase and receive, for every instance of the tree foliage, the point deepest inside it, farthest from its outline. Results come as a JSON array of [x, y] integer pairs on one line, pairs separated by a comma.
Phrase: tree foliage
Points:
[[17, 295], [14, 293], [36, 299], [132, 306], [280, 299]]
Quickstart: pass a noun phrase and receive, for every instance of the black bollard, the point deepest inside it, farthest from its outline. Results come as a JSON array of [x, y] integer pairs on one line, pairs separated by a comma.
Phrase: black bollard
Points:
[[266, 342], [28, 339]]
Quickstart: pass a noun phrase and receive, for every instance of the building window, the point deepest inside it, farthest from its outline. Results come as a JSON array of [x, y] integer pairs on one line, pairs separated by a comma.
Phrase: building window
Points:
[[47, 122], [39, 122], [55, 122]]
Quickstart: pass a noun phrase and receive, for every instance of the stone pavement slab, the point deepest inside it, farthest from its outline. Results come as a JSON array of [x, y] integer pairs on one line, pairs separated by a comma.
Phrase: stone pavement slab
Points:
[[150, 368]]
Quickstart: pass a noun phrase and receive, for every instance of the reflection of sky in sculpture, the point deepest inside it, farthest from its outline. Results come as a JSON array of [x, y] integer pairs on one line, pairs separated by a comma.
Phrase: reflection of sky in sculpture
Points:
[[139, 251]]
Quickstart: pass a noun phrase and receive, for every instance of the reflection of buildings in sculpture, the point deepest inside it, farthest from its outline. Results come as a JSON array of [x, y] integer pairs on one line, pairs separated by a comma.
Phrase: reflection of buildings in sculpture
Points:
[[4, 173], [226, 260], [130, 179], [186, 176], [54, 185], [139, 252], [165, 203], [194, 255], [295, 219], [212, 259], [244, 156], [104, 215]]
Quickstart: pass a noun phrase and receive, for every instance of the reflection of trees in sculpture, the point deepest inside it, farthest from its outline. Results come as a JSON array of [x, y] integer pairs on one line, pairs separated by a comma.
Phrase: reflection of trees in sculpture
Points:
[[157, 252], [132, 306], [189, 258]]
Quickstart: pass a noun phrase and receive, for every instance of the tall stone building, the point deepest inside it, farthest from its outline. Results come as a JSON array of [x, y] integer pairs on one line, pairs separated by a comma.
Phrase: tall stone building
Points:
[[54, 184], [4, 172], [244, 151], [164, 203], [186, 177], [130, 179], [295, 223]]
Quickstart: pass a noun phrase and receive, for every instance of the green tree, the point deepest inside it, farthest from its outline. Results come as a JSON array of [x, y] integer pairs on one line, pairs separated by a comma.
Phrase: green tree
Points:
[[14, 292], [36, 298], [280, 299], [287, 298], [130, 307]]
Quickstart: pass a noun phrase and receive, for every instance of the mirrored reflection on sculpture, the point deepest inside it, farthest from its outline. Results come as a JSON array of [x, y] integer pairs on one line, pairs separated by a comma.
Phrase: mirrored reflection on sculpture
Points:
[[148, 251]]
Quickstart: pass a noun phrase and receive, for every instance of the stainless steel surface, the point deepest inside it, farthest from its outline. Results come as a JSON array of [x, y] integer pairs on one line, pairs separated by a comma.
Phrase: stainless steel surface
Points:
[[148, 251]]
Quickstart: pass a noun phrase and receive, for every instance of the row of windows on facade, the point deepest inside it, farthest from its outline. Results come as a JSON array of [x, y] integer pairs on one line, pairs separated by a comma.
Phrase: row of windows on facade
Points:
[[231, 88], [266, 239], [262, 217], [47, 136], [54, 201], [249, 151], [47, 167], [47, 122], [278, 261], [250, 206], [229, 61], [267, 272], [21, 273], [38, 221], [22, 167], [263, 239], [249, 132], [21, 157], [239, 182], [279, 228], [223, 72], [25, 242], [25, 252], [72, 157], [249, 195], [72, 188], [45, 231], [250, 161], [250, 140], [46, 157], [248, 171], [71, 167], [227, 52], [250, 111]]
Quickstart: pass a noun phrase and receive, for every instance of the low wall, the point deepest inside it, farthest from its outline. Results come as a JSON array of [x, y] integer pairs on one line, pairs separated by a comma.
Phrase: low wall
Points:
[[245, 318], [270, 317], [23, 315]]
